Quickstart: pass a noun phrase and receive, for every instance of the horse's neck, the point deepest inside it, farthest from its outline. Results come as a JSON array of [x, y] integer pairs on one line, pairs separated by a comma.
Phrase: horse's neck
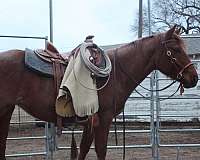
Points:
[[137, 60]]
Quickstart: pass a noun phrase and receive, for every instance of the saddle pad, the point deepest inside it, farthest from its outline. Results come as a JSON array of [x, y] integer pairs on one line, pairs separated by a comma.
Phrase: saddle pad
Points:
[[35, 63]]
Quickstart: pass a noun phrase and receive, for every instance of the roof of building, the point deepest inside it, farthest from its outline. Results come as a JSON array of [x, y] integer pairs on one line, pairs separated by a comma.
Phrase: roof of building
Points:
[[192, 42], [107, 47]]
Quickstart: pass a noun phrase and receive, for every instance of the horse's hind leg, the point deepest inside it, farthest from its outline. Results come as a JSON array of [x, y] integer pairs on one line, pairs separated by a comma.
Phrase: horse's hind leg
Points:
[[86, 141], [5, 116]]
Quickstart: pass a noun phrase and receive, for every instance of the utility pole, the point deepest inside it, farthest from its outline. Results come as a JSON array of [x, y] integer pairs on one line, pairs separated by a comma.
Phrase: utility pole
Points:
[[51, 132], [149, 16], [140, 25], [51, 20]]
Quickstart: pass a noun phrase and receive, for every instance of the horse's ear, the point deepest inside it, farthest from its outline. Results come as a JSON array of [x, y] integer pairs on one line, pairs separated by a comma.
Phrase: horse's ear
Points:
[[170, 32], [178, 31]]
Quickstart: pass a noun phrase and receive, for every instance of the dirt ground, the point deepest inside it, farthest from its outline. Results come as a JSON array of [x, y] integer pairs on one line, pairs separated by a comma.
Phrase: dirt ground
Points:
[[165, 153]]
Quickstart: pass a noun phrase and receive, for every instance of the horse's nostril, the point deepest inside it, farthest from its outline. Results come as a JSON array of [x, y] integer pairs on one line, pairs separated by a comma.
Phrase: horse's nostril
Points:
[[195, 79]]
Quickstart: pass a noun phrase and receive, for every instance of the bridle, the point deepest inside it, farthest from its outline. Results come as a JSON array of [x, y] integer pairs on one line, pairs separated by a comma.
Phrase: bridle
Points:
[[174, 61]]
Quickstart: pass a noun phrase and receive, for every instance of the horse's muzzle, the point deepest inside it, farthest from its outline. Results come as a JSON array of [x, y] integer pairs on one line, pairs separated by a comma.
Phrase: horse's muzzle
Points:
[[191, 83]]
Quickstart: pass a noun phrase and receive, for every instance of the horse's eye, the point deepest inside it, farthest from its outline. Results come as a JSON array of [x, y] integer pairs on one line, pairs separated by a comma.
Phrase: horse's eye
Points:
[[177, 50]]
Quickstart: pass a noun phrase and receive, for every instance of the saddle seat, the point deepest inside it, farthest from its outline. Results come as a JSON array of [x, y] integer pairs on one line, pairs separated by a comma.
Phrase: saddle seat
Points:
[[51, 54]]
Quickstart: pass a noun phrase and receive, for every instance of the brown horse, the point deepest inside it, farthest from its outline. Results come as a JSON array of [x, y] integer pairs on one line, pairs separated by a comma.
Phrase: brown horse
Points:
[[131, 64]]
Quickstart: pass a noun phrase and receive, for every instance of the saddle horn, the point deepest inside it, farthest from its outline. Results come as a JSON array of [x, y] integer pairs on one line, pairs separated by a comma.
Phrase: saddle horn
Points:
[[89, 38]]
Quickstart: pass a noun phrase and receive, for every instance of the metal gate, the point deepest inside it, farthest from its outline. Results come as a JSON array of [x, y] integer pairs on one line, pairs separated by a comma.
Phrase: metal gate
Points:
[[187, 111], [27, 140]]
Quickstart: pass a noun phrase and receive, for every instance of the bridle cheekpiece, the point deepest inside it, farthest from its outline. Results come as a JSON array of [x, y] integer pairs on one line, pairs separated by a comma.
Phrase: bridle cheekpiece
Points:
[[174, 61]]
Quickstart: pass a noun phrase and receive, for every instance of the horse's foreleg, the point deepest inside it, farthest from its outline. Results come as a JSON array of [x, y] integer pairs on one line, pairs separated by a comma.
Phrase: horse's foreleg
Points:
[[5, 117], [101, 138], [86, 141]]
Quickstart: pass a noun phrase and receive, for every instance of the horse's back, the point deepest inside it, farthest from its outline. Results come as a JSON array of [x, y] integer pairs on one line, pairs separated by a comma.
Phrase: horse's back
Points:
[[12, 54], [11, 61], [10, 58]]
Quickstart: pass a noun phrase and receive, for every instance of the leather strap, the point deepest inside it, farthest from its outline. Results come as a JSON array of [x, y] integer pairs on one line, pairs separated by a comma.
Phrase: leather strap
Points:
[[58, 72], [114, 96]]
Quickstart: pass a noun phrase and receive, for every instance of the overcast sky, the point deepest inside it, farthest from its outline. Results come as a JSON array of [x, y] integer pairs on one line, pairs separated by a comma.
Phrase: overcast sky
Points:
[[108, 20]]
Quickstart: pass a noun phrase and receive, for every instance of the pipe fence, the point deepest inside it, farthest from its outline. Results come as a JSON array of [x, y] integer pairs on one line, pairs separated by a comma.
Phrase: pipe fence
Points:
[[151, 114]]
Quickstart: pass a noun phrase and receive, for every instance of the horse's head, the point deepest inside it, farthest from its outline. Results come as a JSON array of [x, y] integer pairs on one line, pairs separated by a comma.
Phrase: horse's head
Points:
[[173, 59]]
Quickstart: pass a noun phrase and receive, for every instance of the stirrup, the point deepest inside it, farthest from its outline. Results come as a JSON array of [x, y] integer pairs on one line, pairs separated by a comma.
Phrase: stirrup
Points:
[[81, 120]]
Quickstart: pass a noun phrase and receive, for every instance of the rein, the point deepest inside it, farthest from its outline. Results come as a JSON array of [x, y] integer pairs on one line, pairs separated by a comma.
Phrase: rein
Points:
[[114, 98], [132, 79], [179, 87], [115, 110]]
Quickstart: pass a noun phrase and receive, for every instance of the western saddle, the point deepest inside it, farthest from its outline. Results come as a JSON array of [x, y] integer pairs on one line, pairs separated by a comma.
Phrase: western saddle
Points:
[[58, 63]]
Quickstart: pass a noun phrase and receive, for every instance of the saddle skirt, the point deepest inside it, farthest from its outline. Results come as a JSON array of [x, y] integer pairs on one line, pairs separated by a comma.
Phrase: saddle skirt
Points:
[[41, 61]]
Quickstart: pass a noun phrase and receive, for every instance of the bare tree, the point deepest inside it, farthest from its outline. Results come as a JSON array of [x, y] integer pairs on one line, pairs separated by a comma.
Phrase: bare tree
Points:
[[165, 13]]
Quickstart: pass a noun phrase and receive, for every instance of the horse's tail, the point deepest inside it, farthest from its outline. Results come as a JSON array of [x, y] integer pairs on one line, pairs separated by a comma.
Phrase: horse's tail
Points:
[[74, 150]]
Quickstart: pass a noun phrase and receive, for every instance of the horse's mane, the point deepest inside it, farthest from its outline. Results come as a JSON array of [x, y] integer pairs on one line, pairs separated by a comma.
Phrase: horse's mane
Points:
[[140, 41], [137, 43]]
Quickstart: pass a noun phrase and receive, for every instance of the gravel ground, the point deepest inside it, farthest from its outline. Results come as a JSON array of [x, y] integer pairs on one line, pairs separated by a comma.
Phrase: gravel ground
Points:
[[167, 153]]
